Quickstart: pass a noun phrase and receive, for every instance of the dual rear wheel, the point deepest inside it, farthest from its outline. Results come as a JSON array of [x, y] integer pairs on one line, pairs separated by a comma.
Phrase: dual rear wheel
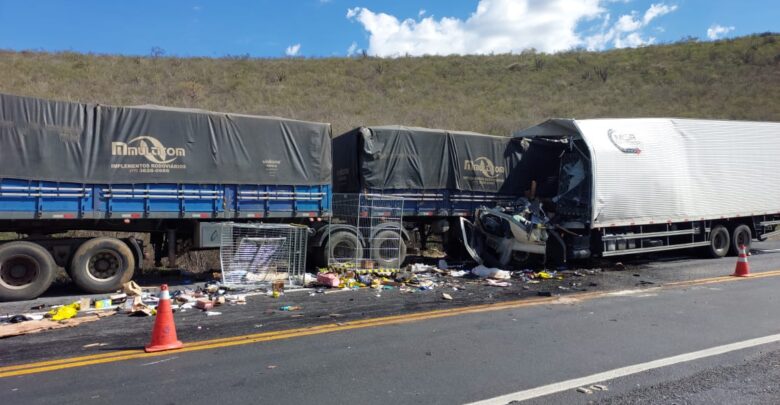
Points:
[[386, 248], [723, 241], [99, 265]]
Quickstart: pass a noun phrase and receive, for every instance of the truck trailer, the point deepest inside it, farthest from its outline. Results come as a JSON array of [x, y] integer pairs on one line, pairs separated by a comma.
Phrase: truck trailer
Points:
[[441, 175], [611, 187], [171, 173]]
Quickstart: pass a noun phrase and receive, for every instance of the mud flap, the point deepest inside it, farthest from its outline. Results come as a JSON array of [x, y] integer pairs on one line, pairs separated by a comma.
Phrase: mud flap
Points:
[[468, 232]]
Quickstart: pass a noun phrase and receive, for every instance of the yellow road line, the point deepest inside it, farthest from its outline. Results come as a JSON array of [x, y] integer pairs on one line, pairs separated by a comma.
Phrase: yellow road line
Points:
[[60, 364]]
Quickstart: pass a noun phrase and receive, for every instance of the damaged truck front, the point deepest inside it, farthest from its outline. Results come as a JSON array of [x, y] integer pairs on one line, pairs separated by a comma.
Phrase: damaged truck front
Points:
[[550, 219], [609, 187]]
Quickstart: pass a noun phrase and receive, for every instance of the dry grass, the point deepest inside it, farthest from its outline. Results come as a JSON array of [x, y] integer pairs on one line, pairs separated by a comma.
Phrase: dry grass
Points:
[[733, 79]]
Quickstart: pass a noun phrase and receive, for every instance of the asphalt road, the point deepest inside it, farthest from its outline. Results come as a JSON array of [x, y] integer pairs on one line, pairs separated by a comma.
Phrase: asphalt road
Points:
[[459, 358]]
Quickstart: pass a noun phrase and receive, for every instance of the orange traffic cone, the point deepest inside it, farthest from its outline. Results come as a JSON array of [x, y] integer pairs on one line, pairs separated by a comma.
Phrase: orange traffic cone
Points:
[[743, 268], [164, 332]]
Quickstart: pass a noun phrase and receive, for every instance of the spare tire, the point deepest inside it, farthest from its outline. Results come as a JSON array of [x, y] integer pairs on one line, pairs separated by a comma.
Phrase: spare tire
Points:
[[102, 265], [26, 271]]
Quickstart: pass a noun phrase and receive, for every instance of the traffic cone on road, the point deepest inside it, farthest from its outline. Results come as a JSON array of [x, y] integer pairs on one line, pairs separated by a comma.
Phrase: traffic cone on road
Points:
[[164, 332], [743, 268]]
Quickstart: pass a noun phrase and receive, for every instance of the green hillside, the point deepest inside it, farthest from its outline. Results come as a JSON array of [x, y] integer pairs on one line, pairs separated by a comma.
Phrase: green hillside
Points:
[[733, 79]]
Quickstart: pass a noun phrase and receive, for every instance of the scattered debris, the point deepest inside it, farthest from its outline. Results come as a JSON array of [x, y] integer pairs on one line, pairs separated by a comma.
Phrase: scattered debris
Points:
[[137, 307], [328, 280], [421, 268], [494, 283], [446, 296], [84, 303], [204, 304], [19, 319], [64, 312], [213, 313], [598, 387], [290, 308], [487, 272], [142, 310], [103, 304], [8, 330], [584, 390], [94, 345], [132, 289]]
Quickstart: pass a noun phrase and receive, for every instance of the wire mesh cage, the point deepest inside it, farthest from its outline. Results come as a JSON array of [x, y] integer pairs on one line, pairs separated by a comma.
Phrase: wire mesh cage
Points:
[[365, 232], [256, 255]]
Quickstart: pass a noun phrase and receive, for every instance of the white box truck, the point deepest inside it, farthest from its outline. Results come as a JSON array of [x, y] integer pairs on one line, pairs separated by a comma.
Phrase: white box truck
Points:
[[609, 187]]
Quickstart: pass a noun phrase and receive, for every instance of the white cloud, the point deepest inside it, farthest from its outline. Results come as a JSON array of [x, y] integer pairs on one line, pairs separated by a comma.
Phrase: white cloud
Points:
[[503, 26], [657, 10], [352, 12], [293, 50], [496, 26], [353, 49], [717, 31], [421, 12], [627, 31], [627, 23]]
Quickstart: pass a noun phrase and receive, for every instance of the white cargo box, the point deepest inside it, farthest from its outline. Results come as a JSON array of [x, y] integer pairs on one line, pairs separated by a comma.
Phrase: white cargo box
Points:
[[659, 170]]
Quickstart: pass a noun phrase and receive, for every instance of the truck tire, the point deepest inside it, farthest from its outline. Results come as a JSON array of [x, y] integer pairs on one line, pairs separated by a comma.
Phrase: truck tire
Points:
[[741, 235], [26, 271], [719, 242], [102, 265], [388, 249], [342, 246]]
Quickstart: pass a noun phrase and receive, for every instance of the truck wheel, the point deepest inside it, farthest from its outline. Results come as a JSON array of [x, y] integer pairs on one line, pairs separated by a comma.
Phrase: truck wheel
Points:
[[102, 265], [388, 249], [26, 271], [741, 235], [719, 242], [343, 247]]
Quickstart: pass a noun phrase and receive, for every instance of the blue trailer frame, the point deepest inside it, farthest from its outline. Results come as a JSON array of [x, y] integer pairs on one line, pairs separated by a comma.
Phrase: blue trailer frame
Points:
[[25, 199], [444, 203]]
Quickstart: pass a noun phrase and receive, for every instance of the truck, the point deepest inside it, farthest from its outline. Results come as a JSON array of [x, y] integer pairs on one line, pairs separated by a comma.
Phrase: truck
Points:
[[442, 175], [169, 174], [614, 187]]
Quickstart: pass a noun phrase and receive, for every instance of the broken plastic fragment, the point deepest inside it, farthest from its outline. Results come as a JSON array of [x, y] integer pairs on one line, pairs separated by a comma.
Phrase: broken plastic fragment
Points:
[[64, 312]]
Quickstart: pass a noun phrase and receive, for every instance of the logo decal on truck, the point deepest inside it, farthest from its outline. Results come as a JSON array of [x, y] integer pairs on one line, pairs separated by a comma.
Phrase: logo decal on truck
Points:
[[154, 151], [626, 143], [484, 166], [160, 157]]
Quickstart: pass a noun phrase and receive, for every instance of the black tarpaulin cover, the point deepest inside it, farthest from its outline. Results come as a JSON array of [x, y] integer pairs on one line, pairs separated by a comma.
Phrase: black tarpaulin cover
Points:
[[89, 143], [397, 157]]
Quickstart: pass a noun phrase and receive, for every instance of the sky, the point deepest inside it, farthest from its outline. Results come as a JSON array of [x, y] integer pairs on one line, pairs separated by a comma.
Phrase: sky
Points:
[[388, 28]]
